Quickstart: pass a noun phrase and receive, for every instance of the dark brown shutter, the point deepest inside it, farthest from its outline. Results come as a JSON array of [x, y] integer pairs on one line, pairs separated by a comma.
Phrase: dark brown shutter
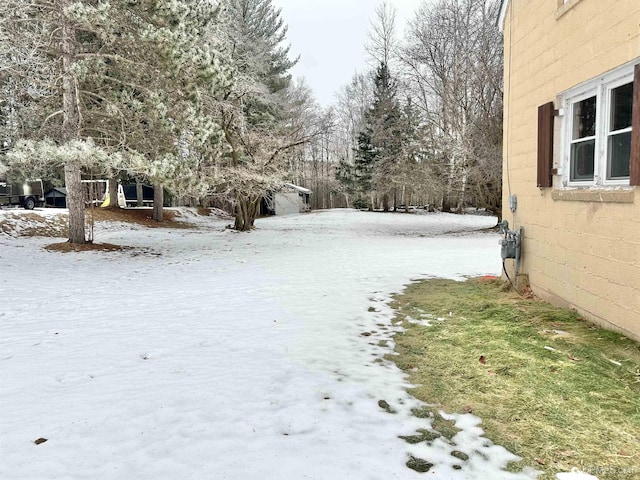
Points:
[[545, 144], [634, 161]]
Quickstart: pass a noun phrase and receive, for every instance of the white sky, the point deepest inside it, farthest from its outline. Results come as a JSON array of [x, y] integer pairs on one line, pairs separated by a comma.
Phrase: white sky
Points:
[[330, 35]]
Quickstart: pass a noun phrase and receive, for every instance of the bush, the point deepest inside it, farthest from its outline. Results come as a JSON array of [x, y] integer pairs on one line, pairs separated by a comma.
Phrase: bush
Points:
[[361, 203]]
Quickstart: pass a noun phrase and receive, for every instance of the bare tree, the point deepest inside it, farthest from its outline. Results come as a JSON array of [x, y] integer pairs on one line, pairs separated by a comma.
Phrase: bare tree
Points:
[[453, 63], [382, 36]]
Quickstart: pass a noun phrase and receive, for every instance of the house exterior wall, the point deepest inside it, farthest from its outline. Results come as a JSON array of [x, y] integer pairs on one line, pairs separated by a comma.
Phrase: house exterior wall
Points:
[[581, 247]]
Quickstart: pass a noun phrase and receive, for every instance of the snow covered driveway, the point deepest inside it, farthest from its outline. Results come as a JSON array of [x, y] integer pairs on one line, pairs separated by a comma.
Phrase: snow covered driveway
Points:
[[209, 354]]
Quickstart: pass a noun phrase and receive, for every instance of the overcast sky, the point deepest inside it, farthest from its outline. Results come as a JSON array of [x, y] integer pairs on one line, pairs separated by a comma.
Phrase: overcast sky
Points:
[[330, 35]]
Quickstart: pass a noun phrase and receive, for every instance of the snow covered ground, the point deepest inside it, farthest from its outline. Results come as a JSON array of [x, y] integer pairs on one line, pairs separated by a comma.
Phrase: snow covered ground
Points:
[[210, 354]]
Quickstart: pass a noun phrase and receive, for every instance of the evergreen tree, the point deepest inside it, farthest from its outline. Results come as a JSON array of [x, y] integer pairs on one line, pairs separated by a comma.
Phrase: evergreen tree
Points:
[[380, 142], [136, 78], [364, 165], [345, 176], [254, 110]]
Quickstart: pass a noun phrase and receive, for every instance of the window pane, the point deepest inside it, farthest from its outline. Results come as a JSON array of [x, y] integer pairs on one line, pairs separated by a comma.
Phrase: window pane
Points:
[[619, 155], [621, 103], [582, 155], [584, 118]]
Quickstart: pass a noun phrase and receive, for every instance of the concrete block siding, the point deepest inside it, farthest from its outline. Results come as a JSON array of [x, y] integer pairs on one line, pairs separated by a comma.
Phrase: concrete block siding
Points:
[[581, 248]]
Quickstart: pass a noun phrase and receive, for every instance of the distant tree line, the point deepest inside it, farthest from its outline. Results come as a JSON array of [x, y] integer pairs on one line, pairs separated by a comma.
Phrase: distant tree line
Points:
[[424, 125]]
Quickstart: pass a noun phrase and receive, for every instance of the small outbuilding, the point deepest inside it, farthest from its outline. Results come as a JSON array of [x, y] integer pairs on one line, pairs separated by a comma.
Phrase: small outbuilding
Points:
[[290, 200], [56, 197]]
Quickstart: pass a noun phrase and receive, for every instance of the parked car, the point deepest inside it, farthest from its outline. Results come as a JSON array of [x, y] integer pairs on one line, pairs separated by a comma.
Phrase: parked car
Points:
[[29, 194]]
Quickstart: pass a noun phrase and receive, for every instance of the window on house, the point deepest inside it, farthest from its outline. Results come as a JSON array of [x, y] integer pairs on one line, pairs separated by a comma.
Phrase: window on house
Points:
[[598, 128], [583, 143], [619, 132]]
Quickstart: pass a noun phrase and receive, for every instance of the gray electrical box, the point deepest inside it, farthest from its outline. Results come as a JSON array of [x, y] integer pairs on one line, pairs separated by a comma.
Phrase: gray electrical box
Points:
[[511, 242], [508, 249]]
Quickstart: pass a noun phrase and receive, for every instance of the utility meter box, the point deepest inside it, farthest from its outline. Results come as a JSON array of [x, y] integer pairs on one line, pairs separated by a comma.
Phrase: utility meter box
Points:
[[508, 249]]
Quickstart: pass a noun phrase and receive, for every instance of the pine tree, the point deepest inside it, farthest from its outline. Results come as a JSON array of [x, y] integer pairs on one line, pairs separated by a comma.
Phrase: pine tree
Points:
[[137, 80], [380, 141]]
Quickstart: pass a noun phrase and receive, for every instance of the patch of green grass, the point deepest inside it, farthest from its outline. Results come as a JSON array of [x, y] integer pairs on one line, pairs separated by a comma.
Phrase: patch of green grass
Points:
[[423, 436], [548, 386], [419, 465], [460, 455], [447, 428]]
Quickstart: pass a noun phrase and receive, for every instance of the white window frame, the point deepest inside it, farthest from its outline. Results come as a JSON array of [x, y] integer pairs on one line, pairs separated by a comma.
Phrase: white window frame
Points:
[[600, 87]]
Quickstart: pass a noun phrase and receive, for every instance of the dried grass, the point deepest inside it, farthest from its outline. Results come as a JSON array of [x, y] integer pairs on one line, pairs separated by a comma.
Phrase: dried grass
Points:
[[33, 225], [86, 247], [139, 216]]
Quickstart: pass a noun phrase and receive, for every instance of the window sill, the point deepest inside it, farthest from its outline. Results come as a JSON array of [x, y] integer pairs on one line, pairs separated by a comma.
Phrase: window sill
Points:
[[592, 195], [565, 7]]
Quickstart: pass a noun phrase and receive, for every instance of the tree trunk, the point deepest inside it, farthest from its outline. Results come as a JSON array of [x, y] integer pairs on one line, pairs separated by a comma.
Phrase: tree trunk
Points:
[[75, 203], [463, 192], [158, 202], [239, 218], [246, 213], [446, 204], [385, 202], [113, 193], [71, 130], [403, 200], [139, 194]]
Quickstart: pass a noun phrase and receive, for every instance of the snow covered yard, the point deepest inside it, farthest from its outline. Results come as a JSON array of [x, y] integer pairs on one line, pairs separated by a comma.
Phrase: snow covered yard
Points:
[[208, 354]]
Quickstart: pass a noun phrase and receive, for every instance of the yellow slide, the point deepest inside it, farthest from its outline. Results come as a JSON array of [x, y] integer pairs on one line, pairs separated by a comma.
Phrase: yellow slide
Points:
[[122, 201]]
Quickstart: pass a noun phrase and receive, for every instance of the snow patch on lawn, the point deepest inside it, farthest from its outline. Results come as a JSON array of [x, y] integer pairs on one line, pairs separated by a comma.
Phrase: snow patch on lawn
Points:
[[16, 222], [230, 356]]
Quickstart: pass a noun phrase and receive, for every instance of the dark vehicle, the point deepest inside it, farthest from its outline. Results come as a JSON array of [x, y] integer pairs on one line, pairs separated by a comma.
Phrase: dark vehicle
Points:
[[29, 194], [131, 195]]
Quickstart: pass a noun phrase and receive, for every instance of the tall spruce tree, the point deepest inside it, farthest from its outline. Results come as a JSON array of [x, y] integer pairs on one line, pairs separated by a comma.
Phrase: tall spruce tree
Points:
[[380, 141]]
